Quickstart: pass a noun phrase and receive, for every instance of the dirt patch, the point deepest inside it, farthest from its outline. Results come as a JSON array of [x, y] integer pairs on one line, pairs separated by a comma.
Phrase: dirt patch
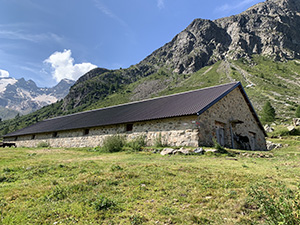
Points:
[[148, 89]]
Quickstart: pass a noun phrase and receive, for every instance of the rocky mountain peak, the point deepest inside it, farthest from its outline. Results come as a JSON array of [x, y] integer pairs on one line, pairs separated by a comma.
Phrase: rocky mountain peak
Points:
[[270, 28], [275, 7], [21, 96]]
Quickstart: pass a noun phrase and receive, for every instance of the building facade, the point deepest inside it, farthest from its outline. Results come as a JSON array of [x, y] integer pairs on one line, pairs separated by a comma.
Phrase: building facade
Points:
[[220, 114]]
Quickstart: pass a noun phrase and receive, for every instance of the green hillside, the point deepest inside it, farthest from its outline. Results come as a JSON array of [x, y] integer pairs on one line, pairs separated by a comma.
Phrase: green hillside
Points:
[[263, 79]]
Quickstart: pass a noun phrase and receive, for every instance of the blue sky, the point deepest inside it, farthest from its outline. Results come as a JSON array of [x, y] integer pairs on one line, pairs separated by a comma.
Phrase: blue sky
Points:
[[47, 41]]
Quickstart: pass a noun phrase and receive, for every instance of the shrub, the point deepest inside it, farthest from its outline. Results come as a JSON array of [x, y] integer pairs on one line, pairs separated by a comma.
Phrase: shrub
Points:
[[297, 114], [219, 147], [268, 113], [113, 143], [137, 143], [43, 145], [158, 141]]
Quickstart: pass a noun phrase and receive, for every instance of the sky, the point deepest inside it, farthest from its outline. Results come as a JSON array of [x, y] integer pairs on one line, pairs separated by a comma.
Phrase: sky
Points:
[[47, 41]]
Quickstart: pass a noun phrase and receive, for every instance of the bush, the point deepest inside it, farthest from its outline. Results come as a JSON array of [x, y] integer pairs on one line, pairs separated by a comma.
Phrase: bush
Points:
[[137, 143], [219, 147], [113, 143], [158, 141], [43, 145], [297, 114], [268, 113]]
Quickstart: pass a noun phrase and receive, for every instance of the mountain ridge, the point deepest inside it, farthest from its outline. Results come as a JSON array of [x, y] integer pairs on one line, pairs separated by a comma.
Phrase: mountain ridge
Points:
[[268, 28]]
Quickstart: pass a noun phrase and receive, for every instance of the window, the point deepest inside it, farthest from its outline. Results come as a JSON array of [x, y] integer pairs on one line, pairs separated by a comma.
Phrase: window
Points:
[[86, 131], [54, 135], [33, 137], [129, 127]]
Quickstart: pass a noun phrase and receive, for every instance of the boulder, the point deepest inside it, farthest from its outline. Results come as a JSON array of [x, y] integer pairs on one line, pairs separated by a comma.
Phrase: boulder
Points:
[[183, 151], [167, 151], [268, 128], [271, 145], [199, 151], [296, 122], [291, 128]]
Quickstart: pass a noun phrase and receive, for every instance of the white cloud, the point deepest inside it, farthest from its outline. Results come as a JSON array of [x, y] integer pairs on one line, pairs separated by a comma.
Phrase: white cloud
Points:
[[17, 32], [160, 4], [63, 66], [4, 73]]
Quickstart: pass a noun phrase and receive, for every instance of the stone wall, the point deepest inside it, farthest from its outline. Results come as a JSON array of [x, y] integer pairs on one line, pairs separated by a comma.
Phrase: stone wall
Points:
[[179, 131], [231, 118]]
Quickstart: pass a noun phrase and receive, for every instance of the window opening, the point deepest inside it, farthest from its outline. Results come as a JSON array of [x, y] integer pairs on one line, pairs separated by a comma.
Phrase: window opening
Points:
[[54, 134], [86, 131], [129, 127]]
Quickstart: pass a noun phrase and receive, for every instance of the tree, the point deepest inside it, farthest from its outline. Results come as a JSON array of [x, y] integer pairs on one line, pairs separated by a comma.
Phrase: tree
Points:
[[297, 114], [5, 130], [268, 113], [17, 116]]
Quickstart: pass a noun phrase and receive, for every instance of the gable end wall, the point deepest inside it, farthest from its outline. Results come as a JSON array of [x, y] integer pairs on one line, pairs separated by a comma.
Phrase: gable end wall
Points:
[[225, 114]]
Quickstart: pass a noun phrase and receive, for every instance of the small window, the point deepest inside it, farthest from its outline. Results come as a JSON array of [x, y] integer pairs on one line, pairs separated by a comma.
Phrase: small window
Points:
[[129, 127], [55, 134], [33, 136], [16, 138], [86, 131]]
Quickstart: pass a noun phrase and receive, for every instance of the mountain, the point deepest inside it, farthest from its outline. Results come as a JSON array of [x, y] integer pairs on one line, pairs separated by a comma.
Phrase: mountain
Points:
[[259, 47], [271, 28], [23, 97]]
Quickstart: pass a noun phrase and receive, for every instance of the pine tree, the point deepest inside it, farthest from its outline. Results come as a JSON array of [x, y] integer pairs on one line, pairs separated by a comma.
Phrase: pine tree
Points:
[[268, 113], [297, 114]]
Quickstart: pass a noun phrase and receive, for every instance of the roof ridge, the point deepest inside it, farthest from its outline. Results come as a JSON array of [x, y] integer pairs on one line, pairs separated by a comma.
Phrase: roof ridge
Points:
[[144, 100]]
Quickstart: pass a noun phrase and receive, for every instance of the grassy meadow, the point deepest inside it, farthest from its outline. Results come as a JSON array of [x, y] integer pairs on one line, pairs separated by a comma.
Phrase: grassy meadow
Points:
[[83, 186]]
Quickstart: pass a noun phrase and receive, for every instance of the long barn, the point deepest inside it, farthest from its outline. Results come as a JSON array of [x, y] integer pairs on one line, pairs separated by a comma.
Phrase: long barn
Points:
[[196, 118]]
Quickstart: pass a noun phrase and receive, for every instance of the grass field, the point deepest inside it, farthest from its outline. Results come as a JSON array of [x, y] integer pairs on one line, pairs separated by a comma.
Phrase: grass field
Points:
[[81, 186]]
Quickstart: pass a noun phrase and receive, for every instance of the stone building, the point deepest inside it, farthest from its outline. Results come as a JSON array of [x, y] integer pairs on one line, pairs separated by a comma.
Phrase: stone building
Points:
[[196, 118]]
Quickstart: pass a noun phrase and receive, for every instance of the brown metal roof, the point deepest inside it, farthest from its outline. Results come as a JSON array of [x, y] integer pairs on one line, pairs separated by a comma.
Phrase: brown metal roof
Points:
[[187, 103]]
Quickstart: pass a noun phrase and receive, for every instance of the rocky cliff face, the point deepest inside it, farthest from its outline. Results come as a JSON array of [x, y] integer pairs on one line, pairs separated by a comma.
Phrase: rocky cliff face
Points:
[[271, 28]]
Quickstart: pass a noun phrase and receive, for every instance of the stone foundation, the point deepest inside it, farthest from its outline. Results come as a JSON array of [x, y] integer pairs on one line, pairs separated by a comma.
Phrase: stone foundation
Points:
[[180, 131]]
